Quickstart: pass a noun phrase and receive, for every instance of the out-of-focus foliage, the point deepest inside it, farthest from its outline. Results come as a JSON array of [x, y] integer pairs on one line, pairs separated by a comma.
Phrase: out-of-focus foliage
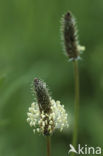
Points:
[[30, 46]]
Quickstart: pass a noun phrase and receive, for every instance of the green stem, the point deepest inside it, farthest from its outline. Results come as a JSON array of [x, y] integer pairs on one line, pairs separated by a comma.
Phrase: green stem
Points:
[[48, 146], [76, 107]]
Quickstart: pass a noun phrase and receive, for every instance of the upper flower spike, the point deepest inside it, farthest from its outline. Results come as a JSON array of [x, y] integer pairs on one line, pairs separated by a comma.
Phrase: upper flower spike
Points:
[[70, 37], [46, 114]]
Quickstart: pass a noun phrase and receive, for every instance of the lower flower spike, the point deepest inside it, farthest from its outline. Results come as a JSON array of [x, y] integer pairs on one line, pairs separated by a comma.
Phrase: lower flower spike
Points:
[[47, 115]]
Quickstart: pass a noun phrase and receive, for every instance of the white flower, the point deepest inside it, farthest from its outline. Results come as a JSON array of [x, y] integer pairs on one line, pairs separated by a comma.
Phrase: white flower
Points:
[[56, 119], [46, 115]]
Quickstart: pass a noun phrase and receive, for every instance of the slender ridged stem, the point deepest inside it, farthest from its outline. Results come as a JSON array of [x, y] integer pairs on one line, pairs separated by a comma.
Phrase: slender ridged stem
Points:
[[48, 146], [76, 106]]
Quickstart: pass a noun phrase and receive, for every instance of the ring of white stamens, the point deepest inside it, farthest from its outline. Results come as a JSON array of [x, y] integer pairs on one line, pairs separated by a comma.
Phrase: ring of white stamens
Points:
[[57, 119]]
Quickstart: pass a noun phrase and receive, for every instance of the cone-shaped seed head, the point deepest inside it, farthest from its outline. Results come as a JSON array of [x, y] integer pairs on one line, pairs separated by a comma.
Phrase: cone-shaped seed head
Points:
[[45, 115], [42, 96], [70, 36]]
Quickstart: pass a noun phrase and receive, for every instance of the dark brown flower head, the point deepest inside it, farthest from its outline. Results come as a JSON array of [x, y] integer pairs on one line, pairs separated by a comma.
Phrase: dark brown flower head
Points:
[[44, 103], [70, 36], [45, 115], [43, 96]]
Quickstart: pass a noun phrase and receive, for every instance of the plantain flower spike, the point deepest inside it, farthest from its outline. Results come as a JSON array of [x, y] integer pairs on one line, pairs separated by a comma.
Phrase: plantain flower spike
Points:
[[70, 38], [45, 115]]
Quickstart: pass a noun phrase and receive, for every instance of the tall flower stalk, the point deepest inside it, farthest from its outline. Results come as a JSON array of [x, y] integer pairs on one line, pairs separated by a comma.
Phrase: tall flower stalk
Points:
[[76, 107], [45, 115], [73, 50], [48, 146]]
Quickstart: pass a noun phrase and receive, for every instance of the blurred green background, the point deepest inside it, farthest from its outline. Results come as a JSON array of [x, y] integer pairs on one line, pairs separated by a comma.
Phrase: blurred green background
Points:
[[30, 46]]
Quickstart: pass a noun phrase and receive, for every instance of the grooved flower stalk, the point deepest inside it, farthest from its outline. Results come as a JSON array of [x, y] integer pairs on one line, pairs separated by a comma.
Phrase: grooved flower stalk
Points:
[[76, 106]]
